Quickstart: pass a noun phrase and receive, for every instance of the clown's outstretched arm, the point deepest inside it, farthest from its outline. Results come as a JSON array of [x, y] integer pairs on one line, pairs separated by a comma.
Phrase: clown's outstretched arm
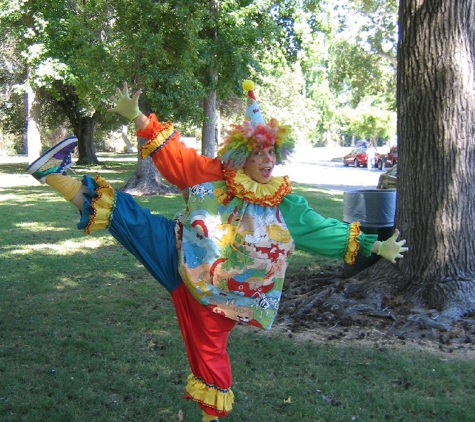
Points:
[[331, 238], [178, 164]]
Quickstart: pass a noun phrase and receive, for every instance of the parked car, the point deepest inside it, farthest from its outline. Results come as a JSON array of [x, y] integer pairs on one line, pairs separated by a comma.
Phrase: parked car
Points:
[[388, 180], [357, 157], [391, 157]]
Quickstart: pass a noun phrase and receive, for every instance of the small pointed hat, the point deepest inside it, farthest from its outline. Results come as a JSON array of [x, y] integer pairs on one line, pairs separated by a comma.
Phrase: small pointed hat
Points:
[[241, 139], [253, 112]]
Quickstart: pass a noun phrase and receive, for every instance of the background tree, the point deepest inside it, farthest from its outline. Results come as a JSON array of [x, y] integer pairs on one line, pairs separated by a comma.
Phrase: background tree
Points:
[[237, 40], [185, 54], [370, 120], [347, 73], [12, 110]]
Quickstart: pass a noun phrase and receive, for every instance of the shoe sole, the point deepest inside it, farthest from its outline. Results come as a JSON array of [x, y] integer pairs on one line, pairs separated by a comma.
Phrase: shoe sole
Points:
[[35, 165]]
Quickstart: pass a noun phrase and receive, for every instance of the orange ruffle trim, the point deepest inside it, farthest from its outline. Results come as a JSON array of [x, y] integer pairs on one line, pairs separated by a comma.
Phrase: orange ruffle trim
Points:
[[103, 205], [265, 194], [209, 395], [353, 243], [158, 134]]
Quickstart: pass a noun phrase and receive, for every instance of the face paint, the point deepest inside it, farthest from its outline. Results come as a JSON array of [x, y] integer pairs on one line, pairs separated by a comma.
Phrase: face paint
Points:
[[260, 164]]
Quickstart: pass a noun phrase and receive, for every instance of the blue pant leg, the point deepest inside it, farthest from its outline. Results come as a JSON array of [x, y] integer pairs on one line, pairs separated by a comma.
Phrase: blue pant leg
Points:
[[149, 237]]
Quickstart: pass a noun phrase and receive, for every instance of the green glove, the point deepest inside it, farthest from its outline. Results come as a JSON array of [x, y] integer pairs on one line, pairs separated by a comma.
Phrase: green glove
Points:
[[391, 249], [124, 105]]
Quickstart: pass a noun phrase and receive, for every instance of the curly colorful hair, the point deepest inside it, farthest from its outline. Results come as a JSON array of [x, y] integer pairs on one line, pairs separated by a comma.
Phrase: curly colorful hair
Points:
[[240, 140]]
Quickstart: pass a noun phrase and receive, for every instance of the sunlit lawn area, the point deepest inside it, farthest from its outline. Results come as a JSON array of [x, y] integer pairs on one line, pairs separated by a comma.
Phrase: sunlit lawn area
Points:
[[88, 335]]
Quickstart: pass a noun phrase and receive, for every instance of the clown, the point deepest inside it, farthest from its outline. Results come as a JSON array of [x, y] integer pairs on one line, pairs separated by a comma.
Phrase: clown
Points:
[[224, 260]]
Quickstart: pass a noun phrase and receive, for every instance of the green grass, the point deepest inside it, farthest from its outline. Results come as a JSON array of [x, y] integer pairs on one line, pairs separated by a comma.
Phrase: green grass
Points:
[[87, 335]]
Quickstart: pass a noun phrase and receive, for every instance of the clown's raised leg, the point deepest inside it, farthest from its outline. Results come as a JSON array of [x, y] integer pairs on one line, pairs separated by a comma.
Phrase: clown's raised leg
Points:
[[151, 239], [102, 207]]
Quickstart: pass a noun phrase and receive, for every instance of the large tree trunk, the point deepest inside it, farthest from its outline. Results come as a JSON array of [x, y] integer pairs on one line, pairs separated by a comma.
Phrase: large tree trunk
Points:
[[33, 139], [83, 126], [436, 128], [147, 180], [84, 130], [208, 138]]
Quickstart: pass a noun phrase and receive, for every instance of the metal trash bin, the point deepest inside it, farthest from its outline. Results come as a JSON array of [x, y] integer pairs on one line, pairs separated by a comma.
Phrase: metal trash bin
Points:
[[375, 209]]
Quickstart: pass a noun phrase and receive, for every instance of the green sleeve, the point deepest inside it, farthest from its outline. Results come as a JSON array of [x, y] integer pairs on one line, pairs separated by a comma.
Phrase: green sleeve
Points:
[[323, 236]]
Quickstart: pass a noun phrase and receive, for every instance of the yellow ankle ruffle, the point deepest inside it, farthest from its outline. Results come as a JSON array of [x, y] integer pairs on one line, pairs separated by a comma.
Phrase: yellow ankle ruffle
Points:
[[209, 395], [102, 204]]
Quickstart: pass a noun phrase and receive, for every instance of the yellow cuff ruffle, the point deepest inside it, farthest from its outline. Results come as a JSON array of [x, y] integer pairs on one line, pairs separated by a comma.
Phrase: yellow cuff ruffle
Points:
[[157, 134], [209, 395], [353, 243], [103, 205]]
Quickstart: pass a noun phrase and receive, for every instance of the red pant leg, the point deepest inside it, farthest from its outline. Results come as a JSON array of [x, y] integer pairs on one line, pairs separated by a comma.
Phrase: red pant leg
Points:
[[206, 335]]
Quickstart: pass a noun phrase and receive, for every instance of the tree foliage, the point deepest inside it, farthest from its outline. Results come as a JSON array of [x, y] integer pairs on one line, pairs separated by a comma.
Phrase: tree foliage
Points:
[[80, 51]]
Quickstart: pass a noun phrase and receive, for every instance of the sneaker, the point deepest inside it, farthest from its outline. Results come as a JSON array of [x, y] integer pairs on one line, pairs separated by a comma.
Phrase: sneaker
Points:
[[54, 161]]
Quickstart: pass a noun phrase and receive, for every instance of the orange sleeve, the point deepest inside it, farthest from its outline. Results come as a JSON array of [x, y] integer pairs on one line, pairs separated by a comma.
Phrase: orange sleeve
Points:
[[178, 164]]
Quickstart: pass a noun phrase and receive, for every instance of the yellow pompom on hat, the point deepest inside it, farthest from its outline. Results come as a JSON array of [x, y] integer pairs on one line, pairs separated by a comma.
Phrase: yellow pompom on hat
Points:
[[241, 139]]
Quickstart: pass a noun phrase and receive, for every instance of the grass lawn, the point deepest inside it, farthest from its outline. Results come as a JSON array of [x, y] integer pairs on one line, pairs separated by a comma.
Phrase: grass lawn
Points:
[[88, 335]]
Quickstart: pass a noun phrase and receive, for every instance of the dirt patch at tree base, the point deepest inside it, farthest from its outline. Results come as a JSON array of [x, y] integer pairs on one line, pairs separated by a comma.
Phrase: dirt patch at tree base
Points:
[[304, 314]]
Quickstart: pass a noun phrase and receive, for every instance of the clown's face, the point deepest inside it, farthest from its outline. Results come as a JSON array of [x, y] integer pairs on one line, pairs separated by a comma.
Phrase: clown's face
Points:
[[260, 164]]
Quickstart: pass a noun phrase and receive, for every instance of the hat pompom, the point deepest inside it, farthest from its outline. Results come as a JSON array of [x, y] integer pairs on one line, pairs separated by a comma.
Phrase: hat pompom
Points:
[[247, 85]]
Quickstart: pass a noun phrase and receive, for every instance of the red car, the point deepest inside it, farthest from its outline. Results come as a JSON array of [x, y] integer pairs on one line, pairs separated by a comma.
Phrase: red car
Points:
[[357, 157], [391, 157]]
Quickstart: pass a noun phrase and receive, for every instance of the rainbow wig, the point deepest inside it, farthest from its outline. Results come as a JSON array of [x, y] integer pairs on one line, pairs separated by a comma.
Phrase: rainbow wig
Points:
[[240, 140]]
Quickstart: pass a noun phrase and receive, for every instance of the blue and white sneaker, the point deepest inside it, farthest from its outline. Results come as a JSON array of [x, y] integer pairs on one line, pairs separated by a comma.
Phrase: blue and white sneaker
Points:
[[54, 161]]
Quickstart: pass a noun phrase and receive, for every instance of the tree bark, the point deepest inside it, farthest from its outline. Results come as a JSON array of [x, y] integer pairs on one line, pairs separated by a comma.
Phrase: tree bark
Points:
[[33, 139], [147, 180], [83, 125], [208, 132], [208, 137], [436, 127], [84, 130]]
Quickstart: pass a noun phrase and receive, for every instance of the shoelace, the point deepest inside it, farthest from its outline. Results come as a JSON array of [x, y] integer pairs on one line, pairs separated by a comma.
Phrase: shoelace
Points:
[[67, 164]]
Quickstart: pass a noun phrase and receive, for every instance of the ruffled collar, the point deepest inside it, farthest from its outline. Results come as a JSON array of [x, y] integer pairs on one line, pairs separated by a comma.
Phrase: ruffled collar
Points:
[[267, 194]]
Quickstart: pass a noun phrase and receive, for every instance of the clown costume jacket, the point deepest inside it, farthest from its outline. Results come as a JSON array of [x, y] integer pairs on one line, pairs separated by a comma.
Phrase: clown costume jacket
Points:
[[236, 234]]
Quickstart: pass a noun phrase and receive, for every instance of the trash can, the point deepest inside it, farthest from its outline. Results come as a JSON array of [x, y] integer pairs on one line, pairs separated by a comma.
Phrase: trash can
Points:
[[375, 209]]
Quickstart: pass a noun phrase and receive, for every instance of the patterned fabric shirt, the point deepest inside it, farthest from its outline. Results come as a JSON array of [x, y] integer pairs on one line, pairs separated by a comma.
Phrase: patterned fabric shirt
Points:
[[236, 234]]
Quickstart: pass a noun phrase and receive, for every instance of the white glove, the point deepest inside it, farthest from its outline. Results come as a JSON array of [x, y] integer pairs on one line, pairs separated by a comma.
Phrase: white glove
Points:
[[124, 105], [391, 249]]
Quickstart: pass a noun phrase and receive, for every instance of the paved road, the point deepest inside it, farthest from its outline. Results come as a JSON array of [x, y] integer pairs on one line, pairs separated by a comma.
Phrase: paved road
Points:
[[315, 166]]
